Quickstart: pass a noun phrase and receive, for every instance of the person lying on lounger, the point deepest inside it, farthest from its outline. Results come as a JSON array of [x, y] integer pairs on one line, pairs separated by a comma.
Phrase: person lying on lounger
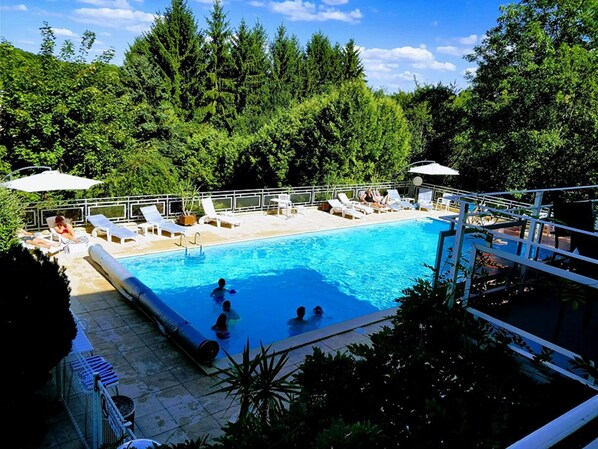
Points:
[[32, 239]]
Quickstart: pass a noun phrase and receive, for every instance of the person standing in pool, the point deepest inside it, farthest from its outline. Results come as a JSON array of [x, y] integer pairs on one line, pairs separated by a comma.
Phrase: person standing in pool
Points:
[[297, 324], [221, 327], [229, 312], [219, 292]]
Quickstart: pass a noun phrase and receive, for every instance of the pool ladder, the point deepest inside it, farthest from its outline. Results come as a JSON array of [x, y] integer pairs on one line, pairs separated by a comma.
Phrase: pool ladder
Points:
[[183, 241]]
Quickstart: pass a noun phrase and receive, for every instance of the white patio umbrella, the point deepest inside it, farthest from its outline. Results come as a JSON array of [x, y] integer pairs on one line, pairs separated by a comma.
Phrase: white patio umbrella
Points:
[[434, 169], [50, 180]]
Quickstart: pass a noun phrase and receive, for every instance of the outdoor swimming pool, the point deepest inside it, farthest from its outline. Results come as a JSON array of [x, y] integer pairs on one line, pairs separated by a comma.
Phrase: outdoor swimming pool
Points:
[[349, 273]]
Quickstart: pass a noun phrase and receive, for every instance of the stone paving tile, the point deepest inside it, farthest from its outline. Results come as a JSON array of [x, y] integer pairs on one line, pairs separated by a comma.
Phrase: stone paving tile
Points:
[[147, 404], [145, 362], [155, 423], [205, 426]]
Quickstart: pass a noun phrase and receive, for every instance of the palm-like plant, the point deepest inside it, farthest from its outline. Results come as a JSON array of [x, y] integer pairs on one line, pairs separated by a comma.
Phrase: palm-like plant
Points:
[[258, 383]]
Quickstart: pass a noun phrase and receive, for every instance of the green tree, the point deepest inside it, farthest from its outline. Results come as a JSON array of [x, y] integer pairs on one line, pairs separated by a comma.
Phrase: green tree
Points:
[[435, 118], [322, 64], [136, 177], [36, 313], [251, 73], [286, 60], [348, 135], [533, 110], [219, 97], [11, 218], [167, 61], [351, 62], [66, 115]]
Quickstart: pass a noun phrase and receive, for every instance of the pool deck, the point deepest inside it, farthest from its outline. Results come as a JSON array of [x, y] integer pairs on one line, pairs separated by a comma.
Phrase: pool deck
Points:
[[171, 391]]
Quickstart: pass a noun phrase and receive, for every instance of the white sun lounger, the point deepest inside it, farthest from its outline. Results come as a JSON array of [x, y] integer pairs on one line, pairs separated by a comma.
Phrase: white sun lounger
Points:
[[336, 207], [355, 204], [396, 202], [161, 224], [102, 224], [212, 215]]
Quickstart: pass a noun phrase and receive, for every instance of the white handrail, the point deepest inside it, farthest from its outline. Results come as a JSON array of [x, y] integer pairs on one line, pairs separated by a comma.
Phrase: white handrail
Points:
[[560, 428]]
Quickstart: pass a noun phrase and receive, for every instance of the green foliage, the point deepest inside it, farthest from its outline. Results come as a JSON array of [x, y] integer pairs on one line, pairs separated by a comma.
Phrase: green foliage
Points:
[[189, 195], [66, 115], [167, 59], [219, 97], [11, 218], [534, 101], [211, 157], [251, 67], [137, 177], [352, 67], [323, 65], [349, 135], [36, 332], [435, 117], [258, 383], [286, 59]]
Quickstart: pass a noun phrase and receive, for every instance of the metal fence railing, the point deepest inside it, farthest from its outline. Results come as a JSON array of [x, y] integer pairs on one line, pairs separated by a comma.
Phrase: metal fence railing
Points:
[[128, 209], [89, 404]]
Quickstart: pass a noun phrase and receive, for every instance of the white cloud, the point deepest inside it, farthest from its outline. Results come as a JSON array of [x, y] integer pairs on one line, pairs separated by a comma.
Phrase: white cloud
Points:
[[20, 7], [469, 40], [435, 65], [452, 50], [64, 32], [418, 57], [335, 2], [299, 10], [470, 71], [127, 19], [118, 4], [205, 2], [396, 68]]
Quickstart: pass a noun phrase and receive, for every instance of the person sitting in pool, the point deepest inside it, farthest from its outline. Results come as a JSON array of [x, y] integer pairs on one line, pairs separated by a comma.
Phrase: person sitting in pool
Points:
[[219, 292], [297, 324], [221, 327], [229, 312]]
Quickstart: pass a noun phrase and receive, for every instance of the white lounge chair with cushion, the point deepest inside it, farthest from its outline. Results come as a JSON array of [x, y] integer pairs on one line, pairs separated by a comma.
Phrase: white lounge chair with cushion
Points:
[[396, 202], [102, 224], [342, 197], [212, 215], [424, 199], [153, 216], [336, 207]]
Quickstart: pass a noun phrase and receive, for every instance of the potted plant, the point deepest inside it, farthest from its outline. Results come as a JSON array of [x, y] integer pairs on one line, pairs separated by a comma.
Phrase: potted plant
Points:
[[189, 194]]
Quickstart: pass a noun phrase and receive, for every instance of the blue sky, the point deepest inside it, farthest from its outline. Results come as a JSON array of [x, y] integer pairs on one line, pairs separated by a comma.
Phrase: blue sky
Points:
[[398, 39]]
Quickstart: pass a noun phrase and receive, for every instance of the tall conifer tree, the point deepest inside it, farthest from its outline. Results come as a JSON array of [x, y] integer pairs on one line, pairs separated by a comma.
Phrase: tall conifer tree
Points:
[[286, 62], [322, 64], [251, 68], [351, 63], [219, 96], [172, 48]]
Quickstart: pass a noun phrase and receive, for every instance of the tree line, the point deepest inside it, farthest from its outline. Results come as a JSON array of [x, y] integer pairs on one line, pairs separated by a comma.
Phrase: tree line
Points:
[[228, 107]]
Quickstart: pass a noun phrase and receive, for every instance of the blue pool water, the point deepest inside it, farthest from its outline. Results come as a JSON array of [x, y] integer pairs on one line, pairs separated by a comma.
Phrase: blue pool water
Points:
[[349, 273]]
